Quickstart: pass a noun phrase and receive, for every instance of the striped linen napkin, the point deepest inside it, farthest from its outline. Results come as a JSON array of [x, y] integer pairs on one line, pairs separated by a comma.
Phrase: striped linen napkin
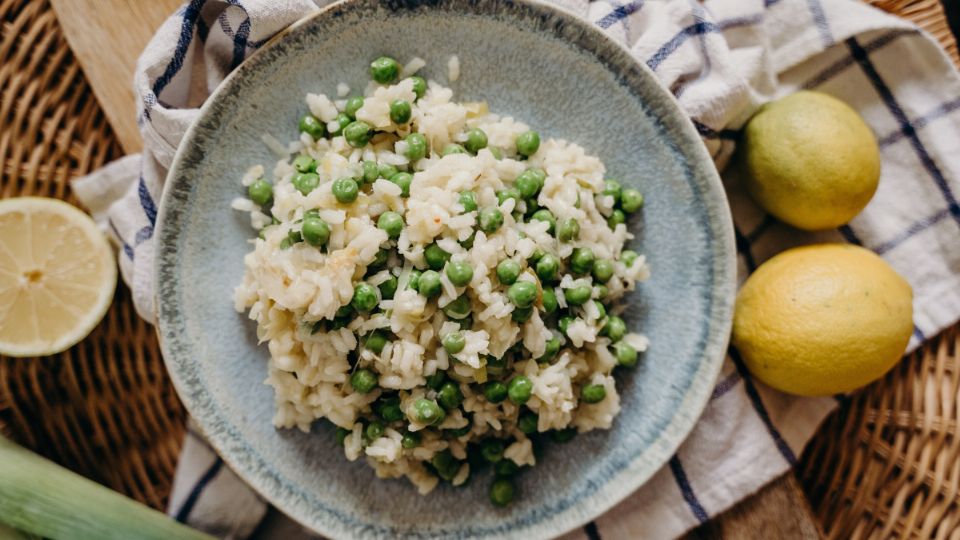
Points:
[[722, 59]]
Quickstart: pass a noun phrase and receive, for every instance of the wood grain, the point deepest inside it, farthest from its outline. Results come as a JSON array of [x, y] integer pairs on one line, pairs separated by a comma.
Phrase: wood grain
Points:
[[107, 37], [779, 510]]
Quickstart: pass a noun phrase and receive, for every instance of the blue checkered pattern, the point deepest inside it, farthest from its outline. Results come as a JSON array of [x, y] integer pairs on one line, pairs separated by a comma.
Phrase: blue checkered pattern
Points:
[[722, 59]]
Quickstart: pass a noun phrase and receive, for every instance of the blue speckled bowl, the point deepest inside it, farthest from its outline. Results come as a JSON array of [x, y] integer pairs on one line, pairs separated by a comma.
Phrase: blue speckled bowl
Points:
[[566, 79]]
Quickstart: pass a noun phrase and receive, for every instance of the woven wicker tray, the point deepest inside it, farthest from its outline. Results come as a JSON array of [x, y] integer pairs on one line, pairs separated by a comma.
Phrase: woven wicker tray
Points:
[[887, 464]]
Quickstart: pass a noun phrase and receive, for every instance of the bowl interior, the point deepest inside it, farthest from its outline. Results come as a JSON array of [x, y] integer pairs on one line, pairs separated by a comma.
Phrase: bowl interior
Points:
[[528, 61]]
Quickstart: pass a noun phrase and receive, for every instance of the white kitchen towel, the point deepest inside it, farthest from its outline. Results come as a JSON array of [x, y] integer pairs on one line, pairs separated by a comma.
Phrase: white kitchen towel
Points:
[[722, 58]]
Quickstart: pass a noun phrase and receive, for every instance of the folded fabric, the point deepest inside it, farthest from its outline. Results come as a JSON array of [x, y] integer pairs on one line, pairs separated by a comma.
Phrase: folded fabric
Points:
[[722, 59]]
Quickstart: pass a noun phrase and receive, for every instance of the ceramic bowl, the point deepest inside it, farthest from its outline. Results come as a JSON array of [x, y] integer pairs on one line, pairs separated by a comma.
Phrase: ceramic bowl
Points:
[[529, 60]]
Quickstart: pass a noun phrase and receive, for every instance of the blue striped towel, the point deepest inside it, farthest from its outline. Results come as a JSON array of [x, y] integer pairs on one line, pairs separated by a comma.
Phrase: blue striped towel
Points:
[[722, 58]]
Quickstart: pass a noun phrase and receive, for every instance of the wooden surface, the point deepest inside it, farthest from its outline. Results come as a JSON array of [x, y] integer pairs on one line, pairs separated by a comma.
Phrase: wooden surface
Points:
[[106, 37], [780, 510]]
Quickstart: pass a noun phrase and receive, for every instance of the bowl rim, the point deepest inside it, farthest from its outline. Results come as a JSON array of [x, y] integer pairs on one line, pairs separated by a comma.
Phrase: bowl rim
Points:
[[630, 477]]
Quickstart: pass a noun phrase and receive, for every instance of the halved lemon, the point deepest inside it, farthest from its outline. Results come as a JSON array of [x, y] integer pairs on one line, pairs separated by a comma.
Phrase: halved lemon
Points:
[[57, 276]]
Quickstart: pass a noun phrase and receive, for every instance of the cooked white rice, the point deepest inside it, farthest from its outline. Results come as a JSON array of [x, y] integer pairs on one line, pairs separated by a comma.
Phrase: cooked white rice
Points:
[[294, 290]]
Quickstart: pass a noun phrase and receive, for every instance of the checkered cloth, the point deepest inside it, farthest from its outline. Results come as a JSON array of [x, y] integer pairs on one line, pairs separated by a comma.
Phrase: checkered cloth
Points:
[[722, 58]]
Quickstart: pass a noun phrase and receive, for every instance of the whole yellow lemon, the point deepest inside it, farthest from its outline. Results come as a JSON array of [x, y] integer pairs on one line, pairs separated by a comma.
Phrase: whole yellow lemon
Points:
[[823, 319], [810, 160]]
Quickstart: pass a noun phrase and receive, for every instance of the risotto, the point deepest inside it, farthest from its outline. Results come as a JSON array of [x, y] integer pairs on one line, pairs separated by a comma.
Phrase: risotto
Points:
[[439, 282]]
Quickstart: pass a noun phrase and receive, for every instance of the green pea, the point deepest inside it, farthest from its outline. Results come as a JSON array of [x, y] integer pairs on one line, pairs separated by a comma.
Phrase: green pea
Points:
[[419, 85], [374, 430], [496, 366], [520, 389], [416, 146], [387, 171], [581, 260], [600, 291], [593, 393], [631, 200], [468, 200], [616, 218], [400, 111], [445, 464], [454, 433], [376, 341], [476, 140], [468, 243], [435, 381], [364, 297], [521, 315], [568, 230], [429, 284], [522, 293], [342, 434], [343, 120], [625, 353], [459, 272], [410, 439], [353, 105], [527, 424], [345, 190], [379, 260], [611, 188], [358, 133], [304, 164], [528, 143], [306, 182], [453, 148], [403, 180], [537, 255], [495, 391], [614, 328], [390, 410], [459, 308], [501, 492], [465, 323], [427, 412], [435, 256], [505, 468], [565, 322], [528, 184], [315, 231], [390, 223], [549, 300], [509, 193], [492, 450], [384, 70], [294, 236], [414, 281], [388, 288], [551, 350], [540, 175], [454, 342], [602, 270], [548, 267], [363, 381], [450, 396], [312, 126], [370, 172], [577, 295], [497, 154], [627, 257], [260, 192], [491, 219], [508, 270], [563, 435], [600, 308]]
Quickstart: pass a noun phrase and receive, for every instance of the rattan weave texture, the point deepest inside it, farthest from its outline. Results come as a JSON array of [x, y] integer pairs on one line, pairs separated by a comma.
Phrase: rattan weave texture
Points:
[[887, 464]]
